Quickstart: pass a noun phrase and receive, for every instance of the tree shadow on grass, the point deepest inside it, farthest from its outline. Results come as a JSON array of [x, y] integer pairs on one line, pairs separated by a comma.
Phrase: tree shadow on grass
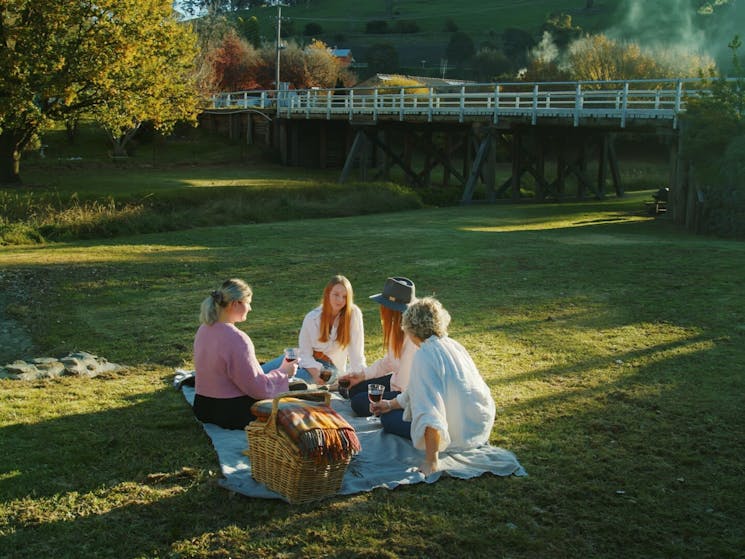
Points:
[[648, 460], [122, 482]]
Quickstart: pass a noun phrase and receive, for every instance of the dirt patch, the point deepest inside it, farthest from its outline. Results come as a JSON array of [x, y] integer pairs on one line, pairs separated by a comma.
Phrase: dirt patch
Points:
[[15, 340]]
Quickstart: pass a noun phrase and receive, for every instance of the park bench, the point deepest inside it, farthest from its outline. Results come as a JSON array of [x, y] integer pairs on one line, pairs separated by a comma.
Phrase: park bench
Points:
[[659, 204]]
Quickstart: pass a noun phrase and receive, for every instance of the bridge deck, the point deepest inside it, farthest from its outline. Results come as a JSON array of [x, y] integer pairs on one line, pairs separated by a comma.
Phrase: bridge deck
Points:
[[617, 102]]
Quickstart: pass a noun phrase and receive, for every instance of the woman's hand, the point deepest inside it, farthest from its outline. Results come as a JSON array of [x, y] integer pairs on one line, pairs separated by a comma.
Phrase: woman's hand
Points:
[[431, 447], [289, 368], [354, 378], [384, 406], [315, 373]]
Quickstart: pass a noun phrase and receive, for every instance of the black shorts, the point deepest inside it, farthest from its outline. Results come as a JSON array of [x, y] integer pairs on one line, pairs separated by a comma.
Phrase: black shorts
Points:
[[229, 413]]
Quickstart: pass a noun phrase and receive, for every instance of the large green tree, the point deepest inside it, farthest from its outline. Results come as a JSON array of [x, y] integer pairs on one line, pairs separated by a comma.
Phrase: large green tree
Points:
[[120, 61], [714, 143]]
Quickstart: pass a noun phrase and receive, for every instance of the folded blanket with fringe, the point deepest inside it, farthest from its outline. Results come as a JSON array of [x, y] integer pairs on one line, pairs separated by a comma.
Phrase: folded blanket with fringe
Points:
[[318, 431]]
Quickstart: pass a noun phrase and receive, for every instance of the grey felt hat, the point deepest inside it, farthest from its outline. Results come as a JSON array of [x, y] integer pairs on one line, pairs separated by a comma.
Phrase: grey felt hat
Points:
[[398, 294]]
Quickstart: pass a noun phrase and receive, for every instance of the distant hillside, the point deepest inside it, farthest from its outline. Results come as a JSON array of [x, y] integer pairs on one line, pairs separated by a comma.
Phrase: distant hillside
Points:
[[343, 24], [420, 30]]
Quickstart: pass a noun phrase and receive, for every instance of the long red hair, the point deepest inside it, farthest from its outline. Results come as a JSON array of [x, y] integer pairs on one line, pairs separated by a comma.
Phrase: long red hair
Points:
[[345, 315], [393, 335]]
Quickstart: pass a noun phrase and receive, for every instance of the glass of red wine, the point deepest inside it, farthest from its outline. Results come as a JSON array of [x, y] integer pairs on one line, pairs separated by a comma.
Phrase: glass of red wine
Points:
[[375, 394], [344, 387], [325, 374], [291, 353]]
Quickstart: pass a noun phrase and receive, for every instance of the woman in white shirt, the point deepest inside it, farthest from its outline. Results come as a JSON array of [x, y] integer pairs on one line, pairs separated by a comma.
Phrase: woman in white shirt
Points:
[[448, 403], [392, 370], [332, 334]]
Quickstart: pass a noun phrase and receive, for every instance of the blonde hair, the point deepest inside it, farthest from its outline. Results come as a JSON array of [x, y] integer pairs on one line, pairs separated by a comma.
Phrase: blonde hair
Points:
[[345, 315], [393, 335], [426, 317], [230, 290]]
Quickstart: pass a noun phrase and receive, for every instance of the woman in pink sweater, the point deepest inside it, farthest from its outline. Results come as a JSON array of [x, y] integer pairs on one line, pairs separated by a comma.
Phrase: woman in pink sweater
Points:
[[229, 378]]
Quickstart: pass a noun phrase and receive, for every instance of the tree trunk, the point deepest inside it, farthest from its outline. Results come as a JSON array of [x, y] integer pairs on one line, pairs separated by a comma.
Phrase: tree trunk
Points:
[[119, 150], [120, 143], [389, 9], [10, 159]]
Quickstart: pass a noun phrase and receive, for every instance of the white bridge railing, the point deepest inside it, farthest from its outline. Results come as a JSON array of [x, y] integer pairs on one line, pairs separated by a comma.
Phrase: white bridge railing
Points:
[[619, 101]]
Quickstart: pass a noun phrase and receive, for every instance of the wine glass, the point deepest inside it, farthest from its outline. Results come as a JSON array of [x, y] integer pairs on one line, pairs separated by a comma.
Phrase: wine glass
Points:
[[291, 353], [344, 383], [375, 394], [326, 374]]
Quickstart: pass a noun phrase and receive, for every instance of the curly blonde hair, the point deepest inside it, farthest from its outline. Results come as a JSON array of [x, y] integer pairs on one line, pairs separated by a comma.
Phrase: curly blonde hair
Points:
[[426, 317]]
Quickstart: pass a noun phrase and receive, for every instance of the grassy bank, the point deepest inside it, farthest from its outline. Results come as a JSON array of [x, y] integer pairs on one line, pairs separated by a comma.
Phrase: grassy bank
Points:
[[193, 179], [76, 191], [613, 345]]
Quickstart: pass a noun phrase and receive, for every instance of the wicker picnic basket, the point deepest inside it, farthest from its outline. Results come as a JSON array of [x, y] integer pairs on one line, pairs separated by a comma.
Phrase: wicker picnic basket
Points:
[[277, 463]]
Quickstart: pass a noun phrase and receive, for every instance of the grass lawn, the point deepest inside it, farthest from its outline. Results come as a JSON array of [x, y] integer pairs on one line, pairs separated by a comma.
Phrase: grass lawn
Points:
[[613, 345]]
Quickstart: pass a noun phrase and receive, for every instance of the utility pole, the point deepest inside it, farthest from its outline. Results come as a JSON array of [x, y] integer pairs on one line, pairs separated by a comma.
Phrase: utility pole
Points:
[[279, 49]]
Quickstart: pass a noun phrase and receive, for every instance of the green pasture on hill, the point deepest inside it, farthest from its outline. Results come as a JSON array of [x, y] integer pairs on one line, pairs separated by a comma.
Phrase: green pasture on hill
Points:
[[612, 342], [343, 24], [472, 16]]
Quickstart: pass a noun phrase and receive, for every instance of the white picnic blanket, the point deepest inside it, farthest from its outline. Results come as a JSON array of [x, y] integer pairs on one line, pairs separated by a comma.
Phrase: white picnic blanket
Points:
[[385, 461]]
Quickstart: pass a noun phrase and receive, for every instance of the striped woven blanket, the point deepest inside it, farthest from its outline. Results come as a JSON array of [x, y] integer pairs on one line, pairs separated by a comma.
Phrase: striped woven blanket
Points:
[[318, 431]]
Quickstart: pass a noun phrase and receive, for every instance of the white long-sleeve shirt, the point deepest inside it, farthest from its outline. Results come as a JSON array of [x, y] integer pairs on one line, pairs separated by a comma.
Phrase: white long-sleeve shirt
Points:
[[400, 367], [350, 358], [446, 392]]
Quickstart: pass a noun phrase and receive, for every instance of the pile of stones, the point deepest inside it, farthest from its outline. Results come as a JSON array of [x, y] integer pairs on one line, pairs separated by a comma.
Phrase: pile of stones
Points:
[[79, 363]]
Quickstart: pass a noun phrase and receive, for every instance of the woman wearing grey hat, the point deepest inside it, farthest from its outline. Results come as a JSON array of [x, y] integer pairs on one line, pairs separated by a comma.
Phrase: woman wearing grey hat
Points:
[[392, 370]]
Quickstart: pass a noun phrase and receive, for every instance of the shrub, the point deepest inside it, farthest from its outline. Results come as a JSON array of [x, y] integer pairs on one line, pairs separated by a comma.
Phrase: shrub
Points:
[[714, 139], [460, 47], [312, 30], [376, 26], [382, 58], [406, 26]]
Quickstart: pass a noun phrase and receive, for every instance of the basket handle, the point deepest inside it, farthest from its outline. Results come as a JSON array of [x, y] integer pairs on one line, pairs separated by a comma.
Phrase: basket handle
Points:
[[272, 420]]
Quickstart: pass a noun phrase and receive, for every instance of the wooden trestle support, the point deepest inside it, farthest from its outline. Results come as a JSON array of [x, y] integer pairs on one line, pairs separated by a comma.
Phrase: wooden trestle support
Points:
[[469, 155]]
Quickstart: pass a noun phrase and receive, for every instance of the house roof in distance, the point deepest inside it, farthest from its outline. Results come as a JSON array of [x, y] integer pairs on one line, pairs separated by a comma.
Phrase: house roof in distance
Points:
[[381, 79]]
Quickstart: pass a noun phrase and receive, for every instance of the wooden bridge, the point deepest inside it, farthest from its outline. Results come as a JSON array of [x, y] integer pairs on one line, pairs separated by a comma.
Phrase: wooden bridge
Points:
[[548, 131]]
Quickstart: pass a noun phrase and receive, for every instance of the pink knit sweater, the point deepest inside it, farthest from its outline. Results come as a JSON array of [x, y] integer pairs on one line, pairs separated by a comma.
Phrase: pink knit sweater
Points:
[[226, 365]]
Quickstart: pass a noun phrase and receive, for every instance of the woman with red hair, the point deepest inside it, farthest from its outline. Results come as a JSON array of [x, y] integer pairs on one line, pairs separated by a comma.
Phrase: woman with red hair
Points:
[[391, 370], [332, 335]]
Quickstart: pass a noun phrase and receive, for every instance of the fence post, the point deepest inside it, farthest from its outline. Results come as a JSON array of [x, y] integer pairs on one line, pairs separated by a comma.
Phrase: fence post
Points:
[[462, 102], [495, 118], [429, 116], [678, 102]]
